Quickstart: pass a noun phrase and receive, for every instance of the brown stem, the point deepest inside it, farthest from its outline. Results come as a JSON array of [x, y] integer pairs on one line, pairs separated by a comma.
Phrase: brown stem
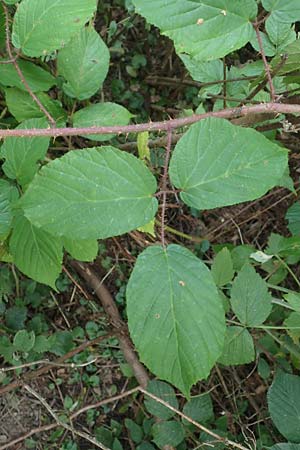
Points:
[[266, 64], [230, 113], [43, 370], [264, 82], [19, 71], [119, 325], [164, 186]]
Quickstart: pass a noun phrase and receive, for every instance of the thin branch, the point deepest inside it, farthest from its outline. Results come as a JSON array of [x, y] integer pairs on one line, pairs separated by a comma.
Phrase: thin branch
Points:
[[167, 81], [62, 424], [230, 113], [120, 327], [19, 71], [164, 185], [196, 424], [43, 370], [266, 64], [264, 82], [28, 435], [104, 402]]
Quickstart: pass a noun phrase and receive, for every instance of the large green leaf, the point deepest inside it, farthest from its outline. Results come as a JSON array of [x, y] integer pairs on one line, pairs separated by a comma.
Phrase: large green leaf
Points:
[[284, 405], [43, 26], [238, 347], [250, 299], [84, 63], [101, 114], [204, 29], [287, 11], [83, 250], [91, 193], [36, 253], [176, 317], [23, 107], [21, 155], [37, 78], [216, 164], [8, 195]]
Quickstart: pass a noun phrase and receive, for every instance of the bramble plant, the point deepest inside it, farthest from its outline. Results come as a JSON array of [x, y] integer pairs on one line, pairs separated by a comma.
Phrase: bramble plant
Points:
[[183, 317]]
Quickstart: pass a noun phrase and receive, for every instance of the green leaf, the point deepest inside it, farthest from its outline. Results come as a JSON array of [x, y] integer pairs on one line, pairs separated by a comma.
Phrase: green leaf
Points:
[[148, 228], [199, 408], [281, 34], [84, 63], [21, 154], [136, 432], [36, 253], [106, 192], [268, 46], [250, 299], [282, 246], [222, 267], [292, 322], [165, 392], [62, 343], [101, 114], [23, 107], [206, 30], [238, 347], [142, 143], [292, 51], [24, 341], [284, 405], [287, 11], [42, 344], [37, 78], [240, 255], [43, 26], [175, 315], [15, 317], [168, 434], [83, 250], [293, 218], [8, 195], [286, 446], [205, 72], [4, 254], [293, 298], [218, 164], [2, 27]]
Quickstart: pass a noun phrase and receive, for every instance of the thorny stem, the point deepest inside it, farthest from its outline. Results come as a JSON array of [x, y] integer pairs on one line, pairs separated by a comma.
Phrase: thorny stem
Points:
[[19, 71], [164, 185], [230, 113], [265, 81], [266, 64]]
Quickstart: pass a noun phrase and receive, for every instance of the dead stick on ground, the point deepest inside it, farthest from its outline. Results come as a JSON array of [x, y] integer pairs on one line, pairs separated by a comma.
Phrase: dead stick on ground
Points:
[[119, 325], [197, 425], [64, 425], [43, 370]]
